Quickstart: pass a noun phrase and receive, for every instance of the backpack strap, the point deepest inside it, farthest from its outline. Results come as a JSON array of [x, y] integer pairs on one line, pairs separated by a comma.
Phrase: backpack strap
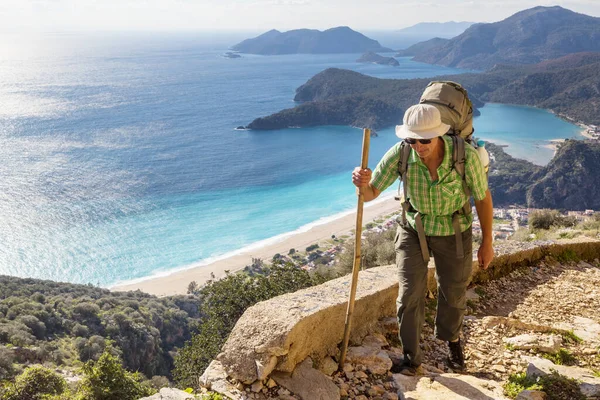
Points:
[[459, 160], [458, 163], [406, 207]]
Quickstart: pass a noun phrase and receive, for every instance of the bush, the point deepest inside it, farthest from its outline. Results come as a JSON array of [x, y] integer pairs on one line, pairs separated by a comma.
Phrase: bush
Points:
[[34, 384], [312, 247], [158, 382], [6, 363], [556, 386], [545, 219], [106, 379]]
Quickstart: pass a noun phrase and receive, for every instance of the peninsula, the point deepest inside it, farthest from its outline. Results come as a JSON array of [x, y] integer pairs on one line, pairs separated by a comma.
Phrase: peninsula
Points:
[[566, 86]]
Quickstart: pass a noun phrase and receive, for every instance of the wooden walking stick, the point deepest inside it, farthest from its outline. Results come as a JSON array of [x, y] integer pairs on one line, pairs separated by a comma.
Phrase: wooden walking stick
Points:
[[357, 239]]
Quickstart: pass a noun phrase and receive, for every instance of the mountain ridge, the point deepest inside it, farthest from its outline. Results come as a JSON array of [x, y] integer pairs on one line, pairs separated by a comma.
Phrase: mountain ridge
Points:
[[527, 37], [341, 39]]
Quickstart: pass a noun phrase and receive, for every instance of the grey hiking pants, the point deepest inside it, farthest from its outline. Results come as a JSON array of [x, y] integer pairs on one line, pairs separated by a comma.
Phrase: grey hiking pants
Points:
[[452, 276]]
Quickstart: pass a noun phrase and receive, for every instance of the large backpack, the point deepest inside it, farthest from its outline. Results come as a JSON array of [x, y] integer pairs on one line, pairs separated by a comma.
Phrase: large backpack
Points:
[[456, 109]]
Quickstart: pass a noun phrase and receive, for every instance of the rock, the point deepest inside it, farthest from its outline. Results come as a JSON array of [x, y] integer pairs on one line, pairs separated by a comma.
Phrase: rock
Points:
[[271, 383], [375, 340], [531, 395], [263, 370], [307, 382], [374, 359], [215, 379], [449, 387], [170, 394], [389, 325], [545, 343], [390, 396], [376, 390], [499, 368], [257, 386], [311, 319], [587, 329], [328, 366], [214, 372], [590, 384]]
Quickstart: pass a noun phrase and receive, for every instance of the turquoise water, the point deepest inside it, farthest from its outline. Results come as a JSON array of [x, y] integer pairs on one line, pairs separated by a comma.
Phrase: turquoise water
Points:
[[524, 130], [121, 160]]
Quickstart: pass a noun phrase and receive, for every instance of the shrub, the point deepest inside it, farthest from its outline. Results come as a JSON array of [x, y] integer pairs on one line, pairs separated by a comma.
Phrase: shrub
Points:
[[106, 379], [563, 357], [545, 219], [6, 363], [158, 382], [34, 384], [556, 386], [312, 247]]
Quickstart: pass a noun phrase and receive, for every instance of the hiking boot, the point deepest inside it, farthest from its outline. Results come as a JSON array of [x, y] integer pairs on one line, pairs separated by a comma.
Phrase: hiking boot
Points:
[[456, 359], [406, 368]]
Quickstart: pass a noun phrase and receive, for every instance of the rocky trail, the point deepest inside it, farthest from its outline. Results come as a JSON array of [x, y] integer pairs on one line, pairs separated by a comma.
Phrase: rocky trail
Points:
[[537, 327], [542, 318], [538, 319]]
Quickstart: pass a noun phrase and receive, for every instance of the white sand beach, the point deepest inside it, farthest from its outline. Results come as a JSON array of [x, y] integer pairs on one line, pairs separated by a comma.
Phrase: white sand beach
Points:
[[177, 282]]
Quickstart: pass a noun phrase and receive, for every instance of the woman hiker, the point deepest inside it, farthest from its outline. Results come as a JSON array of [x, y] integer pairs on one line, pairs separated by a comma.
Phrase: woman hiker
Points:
[[434, 198]]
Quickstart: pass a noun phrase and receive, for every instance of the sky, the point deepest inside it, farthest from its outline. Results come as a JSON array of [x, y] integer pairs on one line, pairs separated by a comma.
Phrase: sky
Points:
[[257, 15]]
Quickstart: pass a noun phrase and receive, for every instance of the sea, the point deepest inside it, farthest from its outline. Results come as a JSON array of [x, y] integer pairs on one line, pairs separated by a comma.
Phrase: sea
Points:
[[121, 160]]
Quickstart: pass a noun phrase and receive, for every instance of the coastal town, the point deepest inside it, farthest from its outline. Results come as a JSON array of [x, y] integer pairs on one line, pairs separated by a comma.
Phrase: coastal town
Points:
[[507, 221]]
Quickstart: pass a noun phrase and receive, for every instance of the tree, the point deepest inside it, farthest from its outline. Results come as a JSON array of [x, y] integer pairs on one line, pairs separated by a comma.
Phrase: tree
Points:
[[106, 379]]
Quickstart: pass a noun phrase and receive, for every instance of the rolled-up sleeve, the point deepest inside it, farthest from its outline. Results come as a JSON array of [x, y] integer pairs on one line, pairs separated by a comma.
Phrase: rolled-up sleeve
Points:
[[386, 171]]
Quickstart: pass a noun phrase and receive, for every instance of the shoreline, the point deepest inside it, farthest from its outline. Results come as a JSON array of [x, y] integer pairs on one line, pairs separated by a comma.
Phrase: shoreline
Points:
[[178, 281]]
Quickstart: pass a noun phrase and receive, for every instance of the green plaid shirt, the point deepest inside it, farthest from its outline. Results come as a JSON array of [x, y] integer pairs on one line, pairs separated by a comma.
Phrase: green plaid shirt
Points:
[[436, 200]]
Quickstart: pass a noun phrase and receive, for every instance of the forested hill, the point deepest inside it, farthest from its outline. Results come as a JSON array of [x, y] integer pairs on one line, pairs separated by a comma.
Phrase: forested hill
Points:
[[64, 324], [335, 40], [571, 180], [569, 86], [527, 37]]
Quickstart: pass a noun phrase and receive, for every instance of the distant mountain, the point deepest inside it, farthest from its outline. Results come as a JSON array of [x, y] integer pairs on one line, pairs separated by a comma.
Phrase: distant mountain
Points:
[[439, 29], [370, 57], [527, 37], [309, 41], [422, 47]]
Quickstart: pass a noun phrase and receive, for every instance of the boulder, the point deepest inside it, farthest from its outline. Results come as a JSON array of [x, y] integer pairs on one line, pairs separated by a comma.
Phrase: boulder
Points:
[[448, 387], [376, 360], [170, 394], [279, 333], [545, 343], [531, 395], [308, 383], [215, 378], [589, 383], [328, 366]]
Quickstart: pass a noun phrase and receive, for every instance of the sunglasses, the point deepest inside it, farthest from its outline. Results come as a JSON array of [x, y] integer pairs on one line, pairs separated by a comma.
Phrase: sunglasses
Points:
[[414, 141]]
